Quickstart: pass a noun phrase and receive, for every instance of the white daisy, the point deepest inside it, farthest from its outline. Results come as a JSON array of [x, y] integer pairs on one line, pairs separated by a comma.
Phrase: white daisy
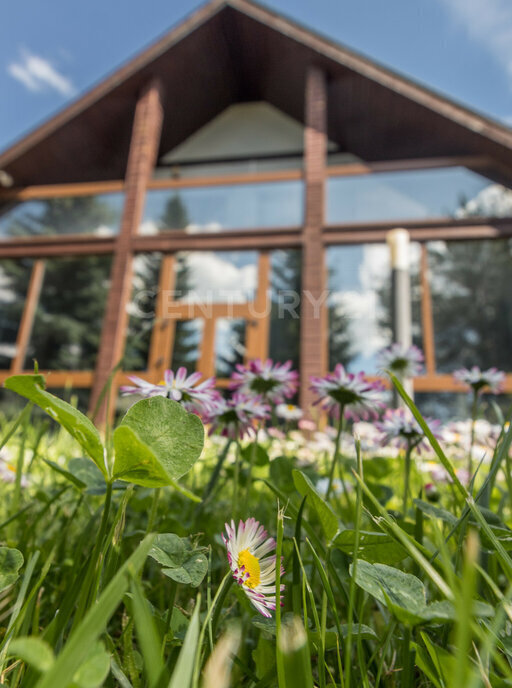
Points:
[[478, 379], [248, 549], [404, 361], [289, 412]]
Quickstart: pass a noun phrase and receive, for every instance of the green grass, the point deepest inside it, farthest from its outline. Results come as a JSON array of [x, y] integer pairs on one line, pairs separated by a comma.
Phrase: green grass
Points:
[[372, 598]]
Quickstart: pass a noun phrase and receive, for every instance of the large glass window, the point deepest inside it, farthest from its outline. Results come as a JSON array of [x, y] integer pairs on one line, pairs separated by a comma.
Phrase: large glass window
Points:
[[471, 303], [358, 305], [69, 316], [14, 280], [100, 215], [216, 276], [188, 335], [417, 194], [285, 291], [141, 310], [229, 345], [218, 208]]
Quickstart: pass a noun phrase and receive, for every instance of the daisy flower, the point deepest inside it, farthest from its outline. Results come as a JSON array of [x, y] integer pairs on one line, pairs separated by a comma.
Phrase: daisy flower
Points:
[[237, 416], [360, 398], [180, 387], [404, 361], [254, 567], [273, 381], [288, 412], [478, 379], [400, 428]]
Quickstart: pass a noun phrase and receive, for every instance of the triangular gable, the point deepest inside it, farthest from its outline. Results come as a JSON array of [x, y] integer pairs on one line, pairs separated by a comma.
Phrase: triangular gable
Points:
[[236, 50]]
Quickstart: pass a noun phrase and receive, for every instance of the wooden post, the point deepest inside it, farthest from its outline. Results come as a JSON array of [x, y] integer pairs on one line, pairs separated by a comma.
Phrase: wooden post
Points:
[[427, 320], [313, 326], [27, 319], [141, 159]]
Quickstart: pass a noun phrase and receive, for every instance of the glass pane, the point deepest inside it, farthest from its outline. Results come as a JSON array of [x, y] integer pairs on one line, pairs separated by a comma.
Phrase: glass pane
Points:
[[285, 286], [69, 315], [141, 309], [358, 282], [100, 215], [418, 194], [218, 208], [216, 276], [452, 406], [14, 280], [187, 342], [472, 303], [385, 297], [219, 168], [229, 345]]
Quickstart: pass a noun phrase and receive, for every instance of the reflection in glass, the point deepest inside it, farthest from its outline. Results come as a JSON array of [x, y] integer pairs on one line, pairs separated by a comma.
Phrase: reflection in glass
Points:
[[229, 345], [100, 215], [453, 406], [14, 280], [418, 194], [471, 303], [141, 310], [358, 282], [444, 406], [68, 319], [217, 168], [187, 342], [218, 208], [216, 276], [285, 290], [415, 282]]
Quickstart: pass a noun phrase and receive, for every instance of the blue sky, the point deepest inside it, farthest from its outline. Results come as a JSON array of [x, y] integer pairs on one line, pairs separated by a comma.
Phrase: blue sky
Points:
[[50, 53]]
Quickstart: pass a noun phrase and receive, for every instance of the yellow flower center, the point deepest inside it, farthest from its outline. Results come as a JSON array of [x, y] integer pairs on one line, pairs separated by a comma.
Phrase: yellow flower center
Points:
[[290, 407], [251, 565]]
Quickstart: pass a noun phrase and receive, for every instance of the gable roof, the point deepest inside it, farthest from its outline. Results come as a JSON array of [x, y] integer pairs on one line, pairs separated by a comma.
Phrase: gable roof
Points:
[[231, 51]]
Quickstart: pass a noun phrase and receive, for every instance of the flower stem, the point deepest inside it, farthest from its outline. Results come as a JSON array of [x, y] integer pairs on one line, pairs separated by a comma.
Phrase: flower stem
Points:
[[336, 451], [407, 475], [252, 458], [474, 412], [236, 479], [154, 509]]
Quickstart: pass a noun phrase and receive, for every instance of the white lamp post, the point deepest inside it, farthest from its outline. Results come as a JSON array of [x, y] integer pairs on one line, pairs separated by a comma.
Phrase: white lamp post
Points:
[[398, 242]]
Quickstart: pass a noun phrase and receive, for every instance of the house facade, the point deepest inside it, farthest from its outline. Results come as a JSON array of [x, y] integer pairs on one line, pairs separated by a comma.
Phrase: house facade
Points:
[[226, 195]]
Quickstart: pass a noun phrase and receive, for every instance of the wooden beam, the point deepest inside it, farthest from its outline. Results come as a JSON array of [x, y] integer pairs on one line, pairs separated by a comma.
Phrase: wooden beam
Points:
[[27, 319], [427, 321], [258, 238], [359, 168], [141, 160], [427, 230], [227, 179], [50, 246], [313, 326], [29, 193]]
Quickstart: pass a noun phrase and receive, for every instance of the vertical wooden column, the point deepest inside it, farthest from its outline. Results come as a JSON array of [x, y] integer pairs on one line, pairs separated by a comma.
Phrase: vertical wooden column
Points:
[[27, 319], [141, 159], [427, 321], [313, 326]]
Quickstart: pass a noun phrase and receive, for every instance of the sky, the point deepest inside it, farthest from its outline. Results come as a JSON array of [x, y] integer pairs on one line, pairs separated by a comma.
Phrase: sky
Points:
[[50, 53]]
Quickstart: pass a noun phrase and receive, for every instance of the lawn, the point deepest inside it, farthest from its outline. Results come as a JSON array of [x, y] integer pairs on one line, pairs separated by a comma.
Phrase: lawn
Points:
[[146, 554]]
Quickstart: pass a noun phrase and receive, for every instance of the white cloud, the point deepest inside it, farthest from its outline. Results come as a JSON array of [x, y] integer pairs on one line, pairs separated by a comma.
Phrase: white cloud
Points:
[[489, 23], [38, 74], [217, 279]]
